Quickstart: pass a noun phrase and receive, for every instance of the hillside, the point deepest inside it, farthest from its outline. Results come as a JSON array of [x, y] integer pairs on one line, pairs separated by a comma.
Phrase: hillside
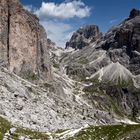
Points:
[[90, 90]]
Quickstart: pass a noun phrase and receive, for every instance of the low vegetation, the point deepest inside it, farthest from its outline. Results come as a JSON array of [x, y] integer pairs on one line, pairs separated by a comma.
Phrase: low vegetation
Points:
[[112, 132], [5, 127]]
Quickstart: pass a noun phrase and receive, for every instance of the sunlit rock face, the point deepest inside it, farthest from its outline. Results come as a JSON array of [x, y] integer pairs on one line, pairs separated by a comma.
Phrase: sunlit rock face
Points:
[[23, 42]]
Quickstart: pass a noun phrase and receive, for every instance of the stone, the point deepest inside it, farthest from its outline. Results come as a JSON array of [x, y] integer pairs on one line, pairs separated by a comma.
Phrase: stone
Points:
[[12, 131], [19, 107]]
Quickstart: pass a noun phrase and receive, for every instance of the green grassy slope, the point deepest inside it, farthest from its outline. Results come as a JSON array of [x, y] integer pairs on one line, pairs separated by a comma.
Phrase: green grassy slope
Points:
[[112, 132], [27, 133]]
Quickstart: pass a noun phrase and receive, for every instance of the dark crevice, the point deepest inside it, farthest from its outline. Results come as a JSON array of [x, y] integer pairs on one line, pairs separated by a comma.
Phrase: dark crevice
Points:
[[8, 36]]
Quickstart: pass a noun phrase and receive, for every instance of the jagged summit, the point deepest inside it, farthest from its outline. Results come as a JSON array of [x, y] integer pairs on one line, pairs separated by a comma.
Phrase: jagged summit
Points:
[[72, 98], [134, 12], [84, 36]]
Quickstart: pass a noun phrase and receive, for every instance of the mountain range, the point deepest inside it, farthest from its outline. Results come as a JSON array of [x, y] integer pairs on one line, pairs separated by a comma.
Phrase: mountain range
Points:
[[89, 90]]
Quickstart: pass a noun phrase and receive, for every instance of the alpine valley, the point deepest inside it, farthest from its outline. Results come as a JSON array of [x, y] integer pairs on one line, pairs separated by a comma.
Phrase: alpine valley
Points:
[[88, 91]]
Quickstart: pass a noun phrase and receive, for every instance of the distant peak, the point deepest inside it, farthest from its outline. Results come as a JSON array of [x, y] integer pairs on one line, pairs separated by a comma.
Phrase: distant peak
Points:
[[134, 12], [84, 36]]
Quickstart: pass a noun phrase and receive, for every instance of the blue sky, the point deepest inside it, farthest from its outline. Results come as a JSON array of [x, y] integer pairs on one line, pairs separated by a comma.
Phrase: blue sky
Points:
[[62, 17]]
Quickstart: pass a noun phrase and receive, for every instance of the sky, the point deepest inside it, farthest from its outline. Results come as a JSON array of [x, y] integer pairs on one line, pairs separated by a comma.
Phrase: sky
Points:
[[61, 18]]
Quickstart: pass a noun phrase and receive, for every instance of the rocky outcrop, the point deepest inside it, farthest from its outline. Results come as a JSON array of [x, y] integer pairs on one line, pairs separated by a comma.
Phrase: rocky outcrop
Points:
[[134, 13], [23, 42], [120, 44], [125, 39], [111, 67], [95, 85], [84, 36], [126, 34]]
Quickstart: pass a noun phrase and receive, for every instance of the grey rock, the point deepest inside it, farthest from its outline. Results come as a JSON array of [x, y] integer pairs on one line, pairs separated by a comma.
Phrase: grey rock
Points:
[[123, 41], [134, 13], [12, 131], [112, 66], [84, 36], [18, 107], [23, 42], [94, 85]]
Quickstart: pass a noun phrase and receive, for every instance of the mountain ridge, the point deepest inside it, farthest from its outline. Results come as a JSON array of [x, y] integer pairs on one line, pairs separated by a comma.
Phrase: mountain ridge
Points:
[[95, 81]]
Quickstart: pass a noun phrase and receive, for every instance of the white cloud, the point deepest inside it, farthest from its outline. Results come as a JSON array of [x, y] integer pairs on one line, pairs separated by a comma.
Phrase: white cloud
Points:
[[65, 10], [58, 32], [52, 16], [113, 21], [30, 8]]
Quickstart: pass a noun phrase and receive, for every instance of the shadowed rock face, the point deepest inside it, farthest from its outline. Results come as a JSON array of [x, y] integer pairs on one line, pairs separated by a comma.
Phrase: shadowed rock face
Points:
[[125, 37], [134, 13], [84, 36], [126, 34], [23, 42]]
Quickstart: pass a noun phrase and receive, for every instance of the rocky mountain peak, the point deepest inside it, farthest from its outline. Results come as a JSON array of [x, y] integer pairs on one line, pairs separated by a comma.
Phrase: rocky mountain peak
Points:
[[84, 36], [96, 85], [23, 42], [134, 12], [89, 31]]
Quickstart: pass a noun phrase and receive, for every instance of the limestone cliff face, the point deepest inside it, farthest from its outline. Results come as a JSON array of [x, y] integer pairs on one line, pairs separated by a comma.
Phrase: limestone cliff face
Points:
[[3, 31], [23, 42]]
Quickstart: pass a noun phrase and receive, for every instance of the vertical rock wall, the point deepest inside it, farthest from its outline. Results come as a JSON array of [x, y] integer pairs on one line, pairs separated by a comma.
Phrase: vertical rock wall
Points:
[[23, 42]]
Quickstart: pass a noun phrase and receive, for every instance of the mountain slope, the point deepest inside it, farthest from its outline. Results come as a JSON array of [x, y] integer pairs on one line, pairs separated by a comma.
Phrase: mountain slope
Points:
[[110, 67], [95, 81], [114, 72]]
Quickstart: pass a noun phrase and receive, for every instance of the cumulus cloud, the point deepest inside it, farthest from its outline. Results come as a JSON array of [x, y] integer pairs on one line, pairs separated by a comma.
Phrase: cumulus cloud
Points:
[[65, 10], [52, 16], [58, 32], [30, 8], [113, 21]]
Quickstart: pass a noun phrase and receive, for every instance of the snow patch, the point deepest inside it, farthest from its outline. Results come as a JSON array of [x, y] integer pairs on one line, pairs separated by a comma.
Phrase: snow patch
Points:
[[126, 121], [71, 133]]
